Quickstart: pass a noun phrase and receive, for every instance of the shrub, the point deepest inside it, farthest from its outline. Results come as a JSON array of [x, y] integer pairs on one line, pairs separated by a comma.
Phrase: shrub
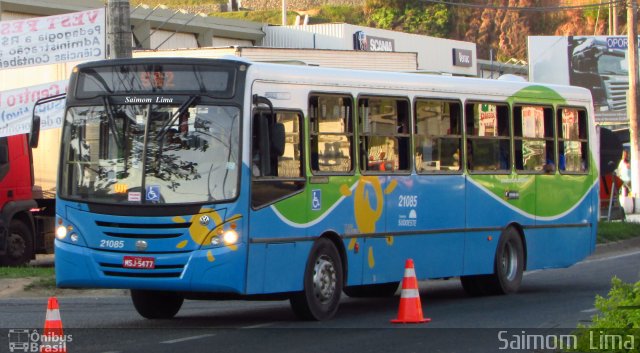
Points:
[[617, 327]]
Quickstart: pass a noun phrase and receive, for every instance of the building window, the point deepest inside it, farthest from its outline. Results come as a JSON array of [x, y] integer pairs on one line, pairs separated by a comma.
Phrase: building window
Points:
[[384, 134], [331, 133], [488, 137], [438, 136]]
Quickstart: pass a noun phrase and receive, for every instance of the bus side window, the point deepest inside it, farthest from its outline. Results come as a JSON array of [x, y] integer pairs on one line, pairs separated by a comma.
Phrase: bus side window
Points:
[[533, 139], [573, 144], [276, 157], [331, 133], [437, 136], [384, 134], [488, 137]]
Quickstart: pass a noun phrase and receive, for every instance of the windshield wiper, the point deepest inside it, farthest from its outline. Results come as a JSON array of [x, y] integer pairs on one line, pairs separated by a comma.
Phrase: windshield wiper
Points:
[[183, 108]]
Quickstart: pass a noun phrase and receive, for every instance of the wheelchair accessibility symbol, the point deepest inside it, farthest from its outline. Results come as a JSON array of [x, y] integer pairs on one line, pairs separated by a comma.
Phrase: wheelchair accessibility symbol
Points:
[[316, 200], [153, 193]]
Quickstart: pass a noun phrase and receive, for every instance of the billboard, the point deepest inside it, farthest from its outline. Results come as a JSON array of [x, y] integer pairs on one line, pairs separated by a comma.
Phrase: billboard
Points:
[[16, 108], [78, 36], [598, 63]]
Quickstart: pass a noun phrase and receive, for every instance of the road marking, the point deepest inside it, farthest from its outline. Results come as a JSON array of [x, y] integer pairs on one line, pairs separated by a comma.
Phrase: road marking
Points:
[[610, 257], [592, 310], [259, 325], [191, 338]]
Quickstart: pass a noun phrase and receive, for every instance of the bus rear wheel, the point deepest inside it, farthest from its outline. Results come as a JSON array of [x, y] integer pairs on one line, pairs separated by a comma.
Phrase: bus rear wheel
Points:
[[508, 268], [19, 244], [323, 282], [156, 304]]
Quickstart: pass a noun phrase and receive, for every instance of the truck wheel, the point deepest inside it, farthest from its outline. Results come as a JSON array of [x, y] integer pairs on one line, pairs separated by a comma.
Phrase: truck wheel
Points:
[[19, 244], [155, 304], [322, 283]]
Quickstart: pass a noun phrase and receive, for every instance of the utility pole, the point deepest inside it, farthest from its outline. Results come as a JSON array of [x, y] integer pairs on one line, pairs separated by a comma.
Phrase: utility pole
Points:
[[284, 12], [632, 109], [614, 16], [119, 29]]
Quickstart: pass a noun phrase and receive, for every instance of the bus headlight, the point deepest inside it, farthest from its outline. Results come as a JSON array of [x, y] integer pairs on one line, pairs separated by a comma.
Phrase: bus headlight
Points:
[[230, 237], [61, 232]]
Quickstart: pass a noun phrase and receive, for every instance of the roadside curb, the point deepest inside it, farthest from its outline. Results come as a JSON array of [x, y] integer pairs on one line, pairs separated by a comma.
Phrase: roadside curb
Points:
[[616, 246]]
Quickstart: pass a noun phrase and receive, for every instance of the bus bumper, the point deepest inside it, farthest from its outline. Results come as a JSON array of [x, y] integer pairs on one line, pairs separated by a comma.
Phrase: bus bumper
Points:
[[218, 270]]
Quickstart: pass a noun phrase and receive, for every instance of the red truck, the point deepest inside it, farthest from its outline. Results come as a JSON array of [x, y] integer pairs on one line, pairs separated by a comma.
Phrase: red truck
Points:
[[27, 214]]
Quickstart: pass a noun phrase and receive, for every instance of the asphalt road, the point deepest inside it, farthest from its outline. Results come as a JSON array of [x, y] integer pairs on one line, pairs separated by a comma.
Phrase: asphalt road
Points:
[[550, 302]]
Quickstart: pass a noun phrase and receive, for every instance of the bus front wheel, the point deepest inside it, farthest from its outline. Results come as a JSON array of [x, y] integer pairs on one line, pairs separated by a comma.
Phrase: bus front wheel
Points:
[[323, 282], [508, 268], [156, 304]]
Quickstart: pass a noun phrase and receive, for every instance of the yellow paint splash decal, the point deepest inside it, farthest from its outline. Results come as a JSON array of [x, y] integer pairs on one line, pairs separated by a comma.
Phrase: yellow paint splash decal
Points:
[[389, 240], [345, 191], [366, 217], [372, 261], [352, 244], [392, 186], [232, 247], [198, 231], [178, 219], [210, 256], [182, 244]]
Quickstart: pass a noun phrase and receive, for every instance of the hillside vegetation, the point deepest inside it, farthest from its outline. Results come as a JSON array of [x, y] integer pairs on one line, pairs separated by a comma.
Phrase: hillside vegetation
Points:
[[489, 26]]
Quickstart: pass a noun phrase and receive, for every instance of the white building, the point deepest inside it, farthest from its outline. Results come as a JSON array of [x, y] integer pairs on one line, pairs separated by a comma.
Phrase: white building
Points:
[[434, 55]]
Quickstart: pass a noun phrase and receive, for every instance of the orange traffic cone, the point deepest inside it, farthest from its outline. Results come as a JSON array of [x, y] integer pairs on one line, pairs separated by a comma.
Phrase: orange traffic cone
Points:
[[410, 311], [52, 339]]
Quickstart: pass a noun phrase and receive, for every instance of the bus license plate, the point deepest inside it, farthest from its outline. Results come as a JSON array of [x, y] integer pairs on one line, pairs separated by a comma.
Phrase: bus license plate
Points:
[[139, 262]]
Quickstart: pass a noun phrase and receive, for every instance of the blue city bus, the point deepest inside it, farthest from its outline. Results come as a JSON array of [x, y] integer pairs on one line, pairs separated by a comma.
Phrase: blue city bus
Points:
[[185, 178]]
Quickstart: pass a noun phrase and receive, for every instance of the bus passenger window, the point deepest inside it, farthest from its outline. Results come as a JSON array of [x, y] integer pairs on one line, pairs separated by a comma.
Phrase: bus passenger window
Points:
[[573, 145], [438, 136], [276, 157], [331, 133], [488, 137], [384, 134], [533, 139]]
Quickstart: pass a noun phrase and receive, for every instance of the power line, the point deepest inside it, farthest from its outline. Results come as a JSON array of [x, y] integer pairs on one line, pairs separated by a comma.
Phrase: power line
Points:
[[520, 8]]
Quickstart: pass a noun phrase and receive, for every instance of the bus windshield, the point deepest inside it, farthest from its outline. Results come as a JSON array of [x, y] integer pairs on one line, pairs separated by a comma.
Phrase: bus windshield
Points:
[[150, 153]]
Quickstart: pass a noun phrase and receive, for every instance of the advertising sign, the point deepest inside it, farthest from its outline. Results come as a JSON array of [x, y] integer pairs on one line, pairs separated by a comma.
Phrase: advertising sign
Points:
[[597, 63], [488, 117], [78, 36], [462, 57], [16, 108], [362, 41]]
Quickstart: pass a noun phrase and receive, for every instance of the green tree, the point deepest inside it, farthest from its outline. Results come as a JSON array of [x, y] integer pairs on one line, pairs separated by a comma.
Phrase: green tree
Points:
[[411, 16]]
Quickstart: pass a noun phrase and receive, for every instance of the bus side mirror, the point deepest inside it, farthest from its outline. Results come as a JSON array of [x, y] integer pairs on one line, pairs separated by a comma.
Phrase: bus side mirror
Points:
[[34, 135], [278, 139]]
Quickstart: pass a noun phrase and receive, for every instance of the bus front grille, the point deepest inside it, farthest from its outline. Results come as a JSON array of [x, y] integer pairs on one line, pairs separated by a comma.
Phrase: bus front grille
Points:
[[159, 271], [143, 274]]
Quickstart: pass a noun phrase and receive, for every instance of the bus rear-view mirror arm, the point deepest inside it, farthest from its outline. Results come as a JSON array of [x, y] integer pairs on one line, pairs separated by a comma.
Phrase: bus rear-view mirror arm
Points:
[[34, 134]]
